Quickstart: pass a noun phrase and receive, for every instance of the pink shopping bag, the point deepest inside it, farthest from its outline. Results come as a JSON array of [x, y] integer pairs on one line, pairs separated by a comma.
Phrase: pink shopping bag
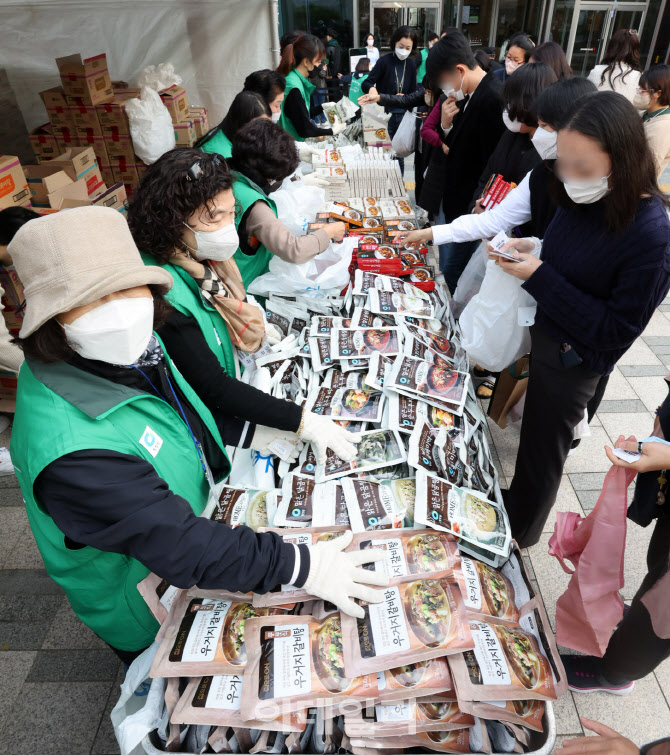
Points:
[[590, 608]]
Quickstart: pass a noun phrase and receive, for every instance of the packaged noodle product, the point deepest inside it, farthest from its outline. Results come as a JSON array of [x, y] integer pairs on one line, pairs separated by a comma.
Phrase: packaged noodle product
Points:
[[204, 636], [422, 679], [295, 663], [406, 305], [362, 342], [465, 513], [215, 700], [376, 449], [158, 595], [416, 621], [418, 554], [283, 594], [511, 662], [236, 506], [384, 505], [347, 403], [406, 717], [405, 413], [486, 591], [429, 382], [527, 713]]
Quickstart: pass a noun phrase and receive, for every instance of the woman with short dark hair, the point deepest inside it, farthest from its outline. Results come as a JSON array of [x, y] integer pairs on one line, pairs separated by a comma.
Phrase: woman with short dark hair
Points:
[[270, 85], [263, 156], [605, 268], [518, 53], [245, 107], [620, 69], [653, 96], [552, 54]]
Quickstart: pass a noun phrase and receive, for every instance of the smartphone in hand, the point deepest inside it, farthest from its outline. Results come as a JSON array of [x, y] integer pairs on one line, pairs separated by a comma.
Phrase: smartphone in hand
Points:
[[497, 242]]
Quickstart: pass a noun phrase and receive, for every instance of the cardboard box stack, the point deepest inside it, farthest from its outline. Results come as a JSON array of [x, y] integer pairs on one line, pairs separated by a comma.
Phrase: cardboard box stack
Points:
[[14, 189]]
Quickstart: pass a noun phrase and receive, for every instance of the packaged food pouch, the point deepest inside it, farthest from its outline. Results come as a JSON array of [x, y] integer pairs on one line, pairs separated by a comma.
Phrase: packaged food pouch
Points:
[[363, 342], [283, 594], [204, 635], [275, 360], [435, 385], [297, 501], [486, 591], [378, 368], [158, 595], [415, 347], [419, 554], [527, 713], [335, 378], [511, 662], [295, 663], [215, 700], [364, 281], [331, 508], [462, 512], [320, 326], [406, 717], [399, 305], [417, 620], [319, 349], [424, 450], [438, 342], [473, 739], [237, 506], [364, 318], [356, 364], [405, 413], [423, 679], [358, 404], [376, 449], [384, 505]]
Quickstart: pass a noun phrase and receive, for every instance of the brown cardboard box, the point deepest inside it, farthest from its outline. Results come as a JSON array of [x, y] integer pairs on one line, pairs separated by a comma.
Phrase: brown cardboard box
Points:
[[120, 146], [113, 114], [85, 116], [199, 117], [14, 189], [509, 389], [80, 162], [126, 174], [98, 144], [115, 197], [184, 133], [66, 138], [54, 97], [8, 383], [43, 141], [88, 79], [106, 172], [44, 179], [175, 100], [13, 288], [74, 190], [59, 116], [140, 167]]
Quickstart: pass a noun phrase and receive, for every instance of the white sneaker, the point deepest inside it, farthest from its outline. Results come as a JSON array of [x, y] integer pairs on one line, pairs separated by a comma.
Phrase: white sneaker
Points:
[[6, 466]]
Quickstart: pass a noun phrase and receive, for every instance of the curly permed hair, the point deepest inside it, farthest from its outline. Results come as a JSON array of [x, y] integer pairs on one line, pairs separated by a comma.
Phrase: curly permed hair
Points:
[[178, 184]]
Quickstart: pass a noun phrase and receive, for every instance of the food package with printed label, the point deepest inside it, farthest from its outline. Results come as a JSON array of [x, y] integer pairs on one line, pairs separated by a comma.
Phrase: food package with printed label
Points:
[[384, 505], [406, 717]]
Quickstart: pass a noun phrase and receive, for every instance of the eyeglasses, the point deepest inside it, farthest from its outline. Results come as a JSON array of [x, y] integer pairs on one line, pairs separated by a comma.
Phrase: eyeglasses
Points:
[[195, 171]]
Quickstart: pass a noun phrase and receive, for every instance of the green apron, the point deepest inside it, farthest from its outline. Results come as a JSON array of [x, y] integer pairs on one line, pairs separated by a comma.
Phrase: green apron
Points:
[[219, 144], [356, 88], [421, 68], [295, 80], [246, 193], [61, 409], [185, 297]]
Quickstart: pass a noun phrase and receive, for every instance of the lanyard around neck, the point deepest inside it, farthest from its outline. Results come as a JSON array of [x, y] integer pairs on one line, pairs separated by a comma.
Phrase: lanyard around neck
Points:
[[399, 85]]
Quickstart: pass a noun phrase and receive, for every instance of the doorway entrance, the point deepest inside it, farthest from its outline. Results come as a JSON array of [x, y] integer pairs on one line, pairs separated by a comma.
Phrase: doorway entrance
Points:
[[387, 15]]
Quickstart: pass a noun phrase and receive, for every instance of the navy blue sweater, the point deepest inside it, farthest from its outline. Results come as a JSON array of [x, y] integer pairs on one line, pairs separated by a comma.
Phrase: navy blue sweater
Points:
[[597, 290], [388, 75]]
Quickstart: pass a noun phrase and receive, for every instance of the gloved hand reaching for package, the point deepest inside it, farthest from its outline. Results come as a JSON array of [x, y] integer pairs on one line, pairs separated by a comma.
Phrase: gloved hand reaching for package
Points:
[[305, 152], [323, 434], [338, 127], [272, 334], [336, 576], [269, 440], [314, 179]]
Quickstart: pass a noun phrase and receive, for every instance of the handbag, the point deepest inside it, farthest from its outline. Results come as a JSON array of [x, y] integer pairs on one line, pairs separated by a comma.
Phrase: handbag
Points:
[[589, 610]]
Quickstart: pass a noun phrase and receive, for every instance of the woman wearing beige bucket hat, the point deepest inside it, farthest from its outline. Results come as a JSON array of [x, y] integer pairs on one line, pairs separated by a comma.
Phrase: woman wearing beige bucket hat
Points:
[[115, 452]]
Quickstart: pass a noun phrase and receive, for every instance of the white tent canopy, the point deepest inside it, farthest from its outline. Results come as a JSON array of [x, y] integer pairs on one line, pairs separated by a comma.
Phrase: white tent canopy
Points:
[[213, 44]]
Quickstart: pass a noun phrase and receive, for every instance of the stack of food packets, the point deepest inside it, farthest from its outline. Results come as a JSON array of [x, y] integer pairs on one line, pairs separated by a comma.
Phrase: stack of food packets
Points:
[[458, 656]]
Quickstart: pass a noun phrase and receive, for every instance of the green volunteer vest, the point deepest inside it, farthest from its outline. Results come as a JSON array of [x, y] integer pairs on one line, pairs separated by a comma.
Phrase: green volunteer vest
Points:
[[295, 80], [219, 144], [421, 68], [356, 88], [61, 409], [185, 297], [246, 193]]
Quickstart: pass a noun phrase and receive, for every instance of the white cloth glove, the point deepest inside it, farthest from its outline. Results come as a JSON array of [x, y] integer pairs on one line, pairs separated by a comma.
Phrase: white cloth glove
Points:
[[264, 436], [313, 179], [272, 334], [305, 152], [334, 576], [323, 434], [338, 127]]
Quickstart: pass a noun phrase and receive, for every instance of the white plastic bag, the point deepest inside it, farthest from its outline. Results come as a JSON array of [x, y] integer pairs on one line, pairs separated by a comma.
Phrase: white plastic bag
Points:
[[327, 273], [150, 126], [157, 77], [297, 205], [404, 141], [137, 711], [492, 335], [471, 279]]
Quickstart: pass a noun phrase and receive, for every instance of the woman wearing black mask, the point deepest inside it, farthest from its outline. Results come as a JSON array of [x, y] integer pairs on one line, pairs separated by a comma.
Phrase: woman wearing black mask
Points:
[[263, 156]]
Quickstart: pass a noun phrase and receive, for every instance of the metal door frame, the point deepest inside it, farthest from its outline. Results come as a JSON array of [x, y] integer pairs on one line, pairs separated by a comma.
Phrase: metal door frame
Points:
[[404, 5], [612, 7]]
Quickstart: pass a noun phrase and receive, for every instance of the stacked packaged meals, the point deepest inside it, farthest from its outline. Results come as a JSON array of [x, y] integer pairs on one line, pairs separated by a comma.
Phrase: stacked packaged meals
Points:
[[459, 656]]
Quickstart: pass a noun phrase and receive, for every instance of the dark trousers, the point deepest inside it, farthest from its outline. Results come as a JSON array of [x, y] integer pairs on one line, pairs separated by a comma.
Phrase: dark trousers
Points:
[[634, 650], [393, 126], [555, 402], [454, 257]]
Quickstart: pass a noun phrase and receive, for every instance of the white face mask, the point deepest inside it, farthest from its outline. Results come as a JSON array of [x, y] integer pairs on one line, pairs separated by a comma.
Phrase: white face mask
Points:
[[512, 125], [371, 43], [641, 101], [457, 95], [587, 191], [511, 66], [117, 332], [545, 143], [276, 117], [218, 246], [402, 53]]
